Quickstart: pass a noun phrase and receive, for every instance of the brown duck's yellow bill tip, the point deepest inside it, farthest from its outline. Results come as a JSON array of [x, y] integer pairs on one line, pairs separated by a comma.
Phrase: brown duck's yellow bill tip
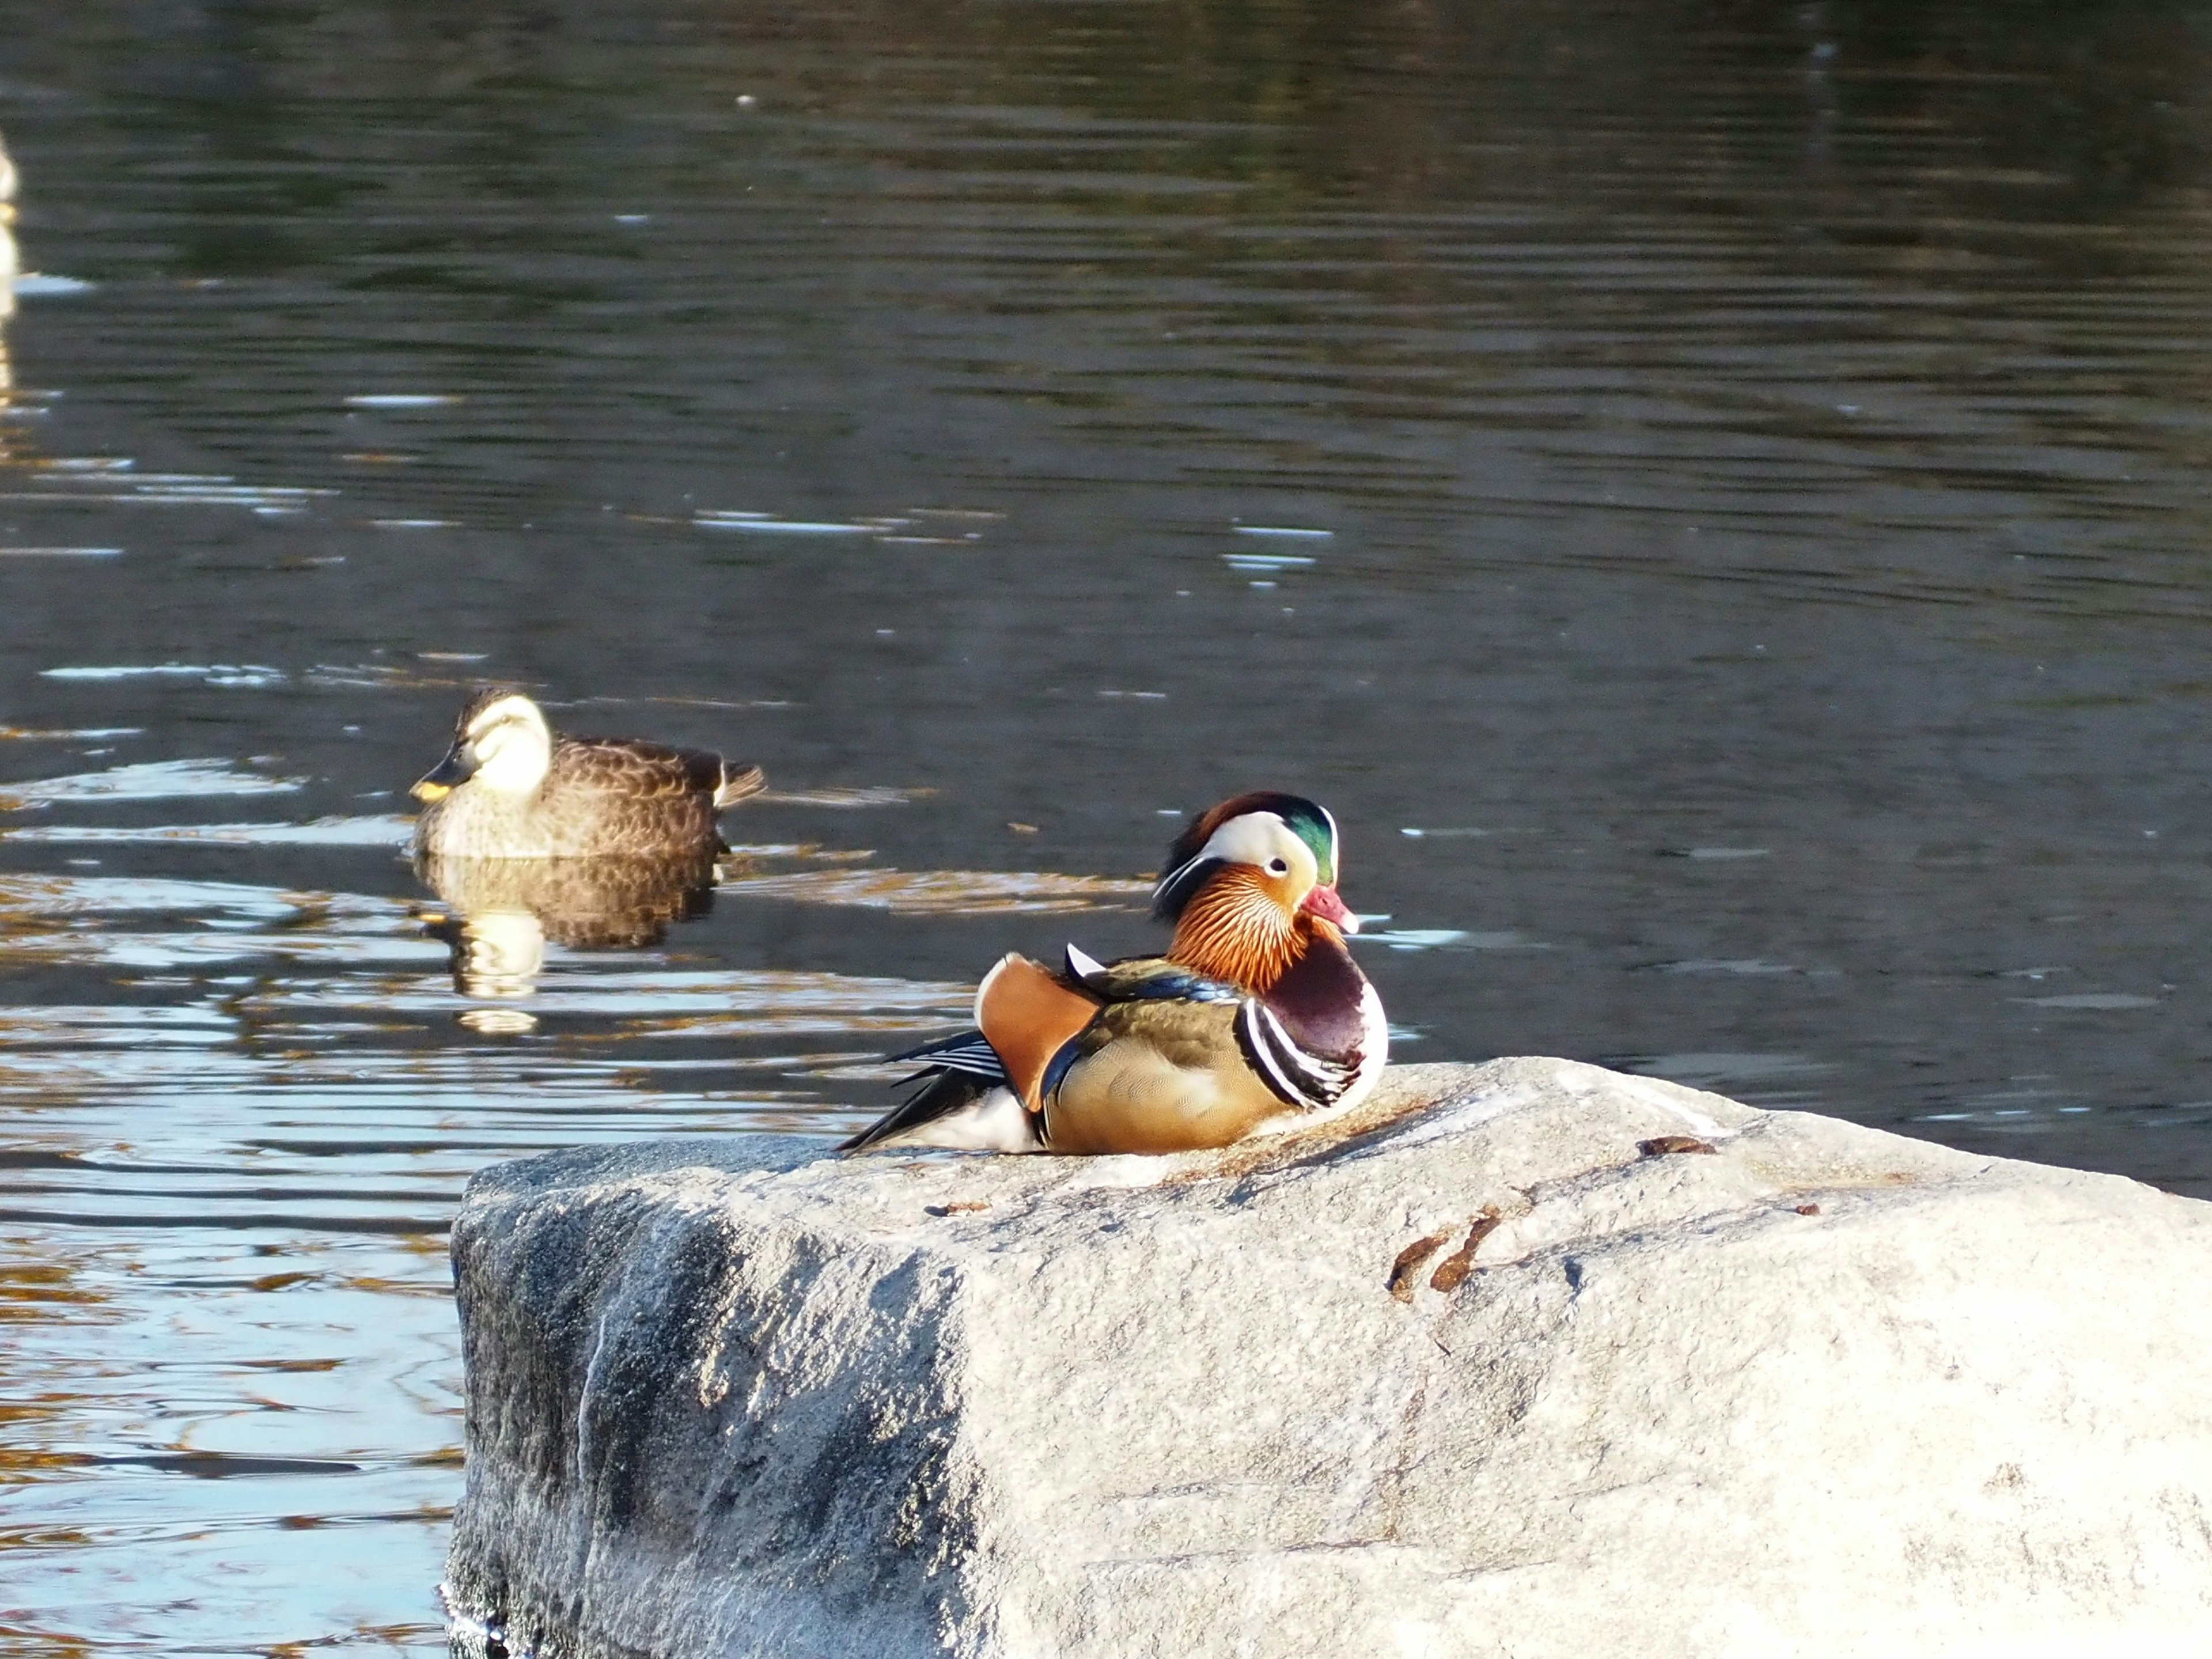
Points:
[[427, 790]]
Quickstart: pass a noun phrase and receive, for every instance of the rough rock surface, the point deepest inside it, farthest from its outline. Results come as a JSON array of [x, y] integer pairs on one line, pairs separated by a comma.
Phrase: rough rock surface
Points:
[[1817, 1391]]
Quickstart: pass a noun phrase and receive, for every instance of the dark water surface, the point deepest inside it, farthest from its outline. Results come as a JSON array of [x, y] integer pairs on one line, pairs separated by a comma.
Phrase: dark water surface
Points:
[[1714, 497]]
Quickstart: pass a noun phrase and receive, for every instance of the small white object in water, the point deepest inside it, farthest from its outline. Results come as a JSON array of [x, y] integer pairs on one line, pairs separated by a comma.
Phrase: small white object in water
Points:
[[762, 522], [399, 400], [61, 552]]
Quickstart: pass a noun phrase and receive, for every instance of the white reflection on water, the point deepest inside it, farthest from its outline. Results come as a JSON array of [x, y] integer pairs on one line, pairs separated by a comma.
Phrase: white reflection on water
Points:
[[251, 675], [148, 781], [391, 831], [239, 1115]]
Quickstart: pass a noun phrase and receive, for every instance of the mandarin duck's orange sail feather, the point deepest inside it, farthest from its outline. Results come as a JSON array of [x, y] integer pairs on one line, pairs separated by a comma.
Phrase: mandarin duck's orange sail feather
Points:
[[1028, 1016]]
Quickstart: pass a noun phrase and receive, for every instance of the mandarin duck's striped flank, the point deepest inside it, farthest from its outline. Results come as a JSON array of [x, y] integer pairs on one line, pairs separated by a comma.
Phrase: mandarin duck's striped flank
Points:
[[510, 787], [1256, 1018]]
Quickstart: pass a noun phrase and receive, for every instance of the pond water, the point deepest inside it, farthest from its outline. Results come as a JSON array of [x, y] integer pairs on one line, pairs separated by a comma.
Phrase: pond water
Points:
[[1713, 497]]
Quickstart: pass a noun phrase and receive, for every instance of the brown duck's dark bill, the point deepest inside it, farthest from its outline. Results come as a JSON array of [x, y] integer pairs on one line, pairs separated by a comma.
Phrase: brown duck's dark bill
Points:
[[442, 779]]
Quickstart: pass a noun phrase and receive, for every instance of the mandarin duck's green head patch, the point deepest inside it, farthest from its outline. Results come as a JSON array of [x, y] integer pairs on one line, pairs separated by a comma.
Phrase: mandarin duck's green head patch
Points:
[[1266, 829]]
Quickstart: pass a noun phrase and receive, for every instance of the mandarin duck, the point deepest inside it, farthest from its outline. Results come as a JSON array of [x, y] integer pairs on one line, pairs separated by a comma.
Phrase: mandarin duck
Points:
[[511, 788], [1257, 1019]]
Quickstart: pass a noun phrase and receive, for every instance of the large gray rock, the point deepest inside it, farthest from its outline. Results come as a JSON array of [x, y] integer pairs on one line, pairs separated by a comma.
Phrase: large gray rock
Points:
[[1820, 1391]]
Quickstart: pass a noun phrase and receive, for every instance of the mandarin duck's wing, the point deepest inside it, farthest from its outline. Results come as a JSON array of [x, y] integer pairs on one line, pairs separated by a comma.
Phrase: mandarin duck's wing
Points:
[[1145, 978], [963, 1051]]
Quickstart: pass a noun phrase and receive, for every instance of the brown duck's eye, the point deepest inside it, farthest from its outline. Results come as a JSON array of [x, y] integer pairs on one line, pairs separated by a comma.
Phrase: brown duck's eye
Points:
[[1277, 867]]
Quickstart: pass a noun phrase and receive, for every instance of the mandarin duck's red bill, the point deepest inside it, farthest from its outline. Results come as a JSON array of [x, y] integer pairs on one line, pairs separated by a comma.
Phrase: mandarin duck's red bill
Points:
[[1257, 1018]]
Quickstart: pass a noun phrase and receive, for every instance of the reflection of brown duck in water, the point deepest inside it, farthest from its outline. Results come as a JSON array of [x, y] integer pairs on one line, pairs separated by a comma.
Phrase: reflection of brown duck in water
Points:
[[7, 261], [510, 787], [503, 912]]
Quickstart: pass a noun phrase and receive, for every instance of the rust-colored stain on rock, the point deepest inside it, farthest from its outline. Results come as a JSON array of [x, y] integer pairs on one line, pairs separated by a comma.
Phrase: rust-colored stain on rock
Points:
[[1451, 1272], [1411, 1260]]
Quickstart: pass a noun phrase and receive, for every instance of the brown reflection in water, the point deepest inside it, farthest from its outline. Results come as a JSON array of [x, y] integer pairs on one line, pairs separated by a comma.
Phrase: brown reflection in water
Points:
[[944, 892], [503, 912], [37, 1288]]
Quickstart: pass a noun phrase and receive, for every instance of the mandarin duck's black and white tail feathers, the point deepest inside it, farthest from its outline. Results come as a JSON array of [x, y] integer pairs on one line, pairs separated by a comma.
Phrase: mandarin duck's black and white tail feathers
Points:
[[965, 1080]]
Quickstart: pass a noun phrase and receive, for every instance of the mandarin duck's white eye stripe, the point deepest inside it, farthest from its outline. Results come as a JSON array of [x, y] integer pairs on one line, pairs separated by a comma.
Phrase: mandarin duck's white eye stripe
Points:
[[1169, 894], [1249, 839]]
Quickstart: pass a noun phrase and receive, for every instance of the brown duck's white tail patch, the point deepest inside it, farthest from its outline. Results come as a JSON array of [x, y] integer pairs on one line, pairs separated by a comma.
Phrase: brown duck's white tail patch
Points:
[[1027, 1016], [737, 782]]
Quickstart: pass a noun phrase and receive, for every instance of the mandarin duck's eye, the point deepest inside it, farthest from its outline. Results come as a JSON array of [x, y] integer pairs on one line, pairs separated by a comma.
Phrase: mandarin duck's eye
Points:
[[1277, 867]]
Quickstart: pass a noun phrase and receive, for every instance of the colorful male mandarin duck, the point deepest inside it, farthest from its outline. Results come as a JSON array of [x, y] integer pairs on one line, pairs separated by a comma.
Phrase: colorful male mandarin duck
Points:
[[510, 787], [1257, 1019]]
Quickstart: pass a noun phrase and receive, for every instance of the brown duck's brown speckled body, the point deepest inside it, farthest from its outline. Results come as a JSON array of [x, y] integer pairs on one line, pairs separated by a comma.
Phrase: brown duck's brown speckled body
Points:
[[511, 788]]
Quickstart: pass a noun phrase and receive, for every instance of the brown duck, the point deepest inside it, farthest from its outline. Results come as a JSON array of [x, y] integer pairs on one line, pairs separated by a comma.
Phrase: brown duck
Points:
[[511, 788]]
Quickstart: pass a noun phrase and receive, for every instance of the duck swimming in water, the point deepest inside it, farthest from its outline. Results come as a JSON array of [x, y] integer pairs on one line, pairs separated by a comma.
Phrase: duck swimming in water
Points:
[[1257, 1019], [511, 788]]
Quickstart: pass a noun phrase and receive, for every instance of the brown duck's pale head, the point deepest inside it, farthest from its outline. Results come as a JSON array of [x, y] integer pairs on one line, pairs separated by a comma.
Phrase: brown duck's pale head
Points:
[[500, 742]]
